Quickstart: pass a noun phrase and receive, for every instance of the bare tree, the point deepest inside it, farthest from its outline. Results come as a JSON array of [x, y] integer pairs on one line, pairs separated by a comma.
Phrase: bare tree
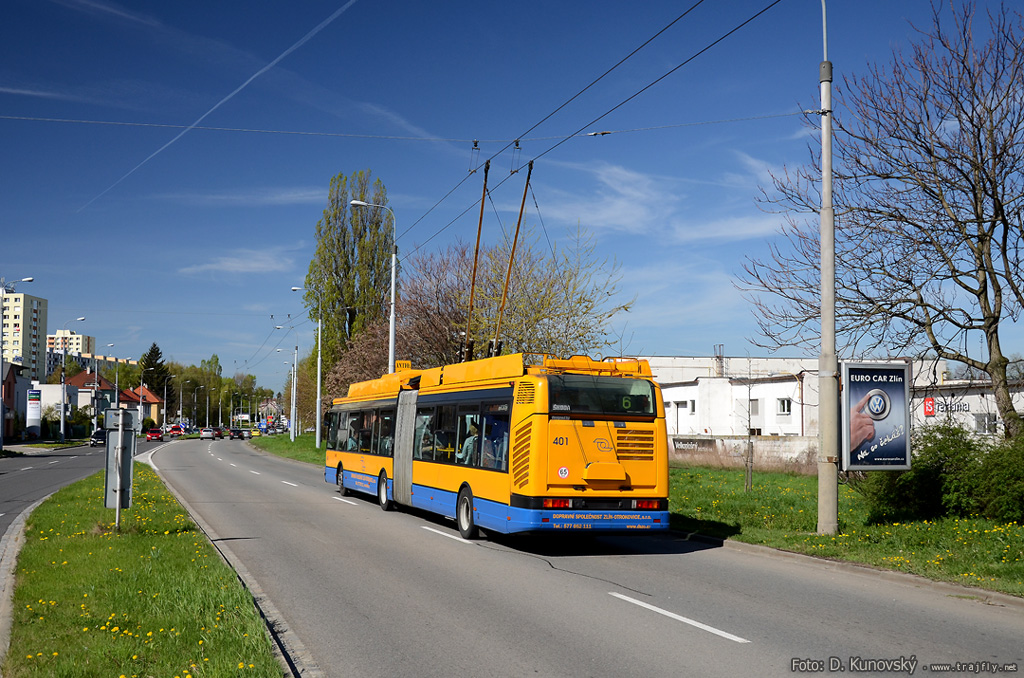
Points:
[[929, 197], [557, 302]]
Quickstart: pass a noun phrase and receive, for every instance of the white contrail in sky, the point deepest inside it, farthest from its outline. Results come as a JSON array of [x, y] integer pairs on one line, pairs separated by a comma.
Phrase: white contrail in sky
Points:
[[303, 40]]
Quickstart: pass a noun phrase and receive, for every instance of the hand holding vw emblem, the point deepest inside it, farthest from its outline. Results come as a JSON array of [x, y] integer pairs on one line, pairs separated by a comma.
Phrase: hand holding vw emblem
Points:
[[862, 424]]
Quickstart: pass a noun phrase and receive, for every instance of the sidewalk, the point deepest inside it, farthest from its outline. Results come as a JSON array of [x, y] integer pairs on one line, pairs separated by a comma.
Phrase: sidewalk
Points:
[[41, 447]]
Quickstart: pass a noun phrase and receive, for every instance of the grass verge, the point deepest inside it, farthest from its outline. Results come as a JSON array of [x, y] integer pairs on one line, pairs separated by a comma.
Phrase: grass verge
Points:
[[303, 449], [781, 512], [153, 599]]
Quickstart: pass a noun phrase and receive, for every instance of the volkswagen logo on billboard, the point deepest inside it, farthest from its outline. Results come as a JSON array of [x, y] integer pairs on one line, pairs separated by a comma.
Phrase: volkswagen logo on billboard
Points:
[[878, 405]]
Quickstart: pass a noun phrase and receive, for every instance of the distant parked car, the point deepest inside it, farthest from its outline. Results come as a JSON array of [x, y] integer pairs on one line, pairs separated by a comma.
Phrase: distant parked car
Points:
[[246, 434], [234, 433], [98, 437], [207, 434], [219, 432], [176, 430], [154, 434]]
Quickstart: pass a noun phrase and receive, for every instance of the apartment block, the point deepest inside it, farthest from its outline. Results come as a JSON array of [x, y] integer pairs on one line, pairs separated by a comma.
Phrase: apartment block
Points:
[[24, 327]]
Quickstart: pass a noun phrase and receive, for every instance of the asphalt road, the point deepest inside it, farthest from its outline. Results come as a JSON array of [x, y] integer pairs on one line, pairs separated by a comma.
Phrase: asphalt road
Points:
[[25, 480], [372, 593]]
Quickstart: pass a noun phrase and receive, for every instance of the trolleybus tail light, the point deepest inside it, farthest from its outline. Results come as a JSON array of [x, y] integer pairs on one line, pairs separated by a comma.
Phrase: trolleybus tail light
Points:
[[649, 504], [558, 503]]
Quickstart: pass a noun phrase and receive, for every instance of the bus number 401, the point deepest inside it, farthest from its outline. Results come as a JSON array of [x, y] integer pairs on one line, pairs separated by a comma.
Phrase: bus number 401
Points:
[[560, 440]]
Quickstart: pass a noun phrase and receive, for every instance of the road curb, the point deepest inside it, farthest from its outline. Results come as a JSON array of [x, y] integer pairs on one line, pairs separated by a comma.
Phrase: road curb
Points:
[[290, 651], [10, 546]]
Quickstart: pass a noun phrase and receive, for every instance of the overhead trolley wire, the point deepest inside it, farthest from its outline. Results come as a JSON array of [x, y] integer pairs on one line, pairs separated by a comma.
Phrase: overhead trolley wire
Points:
[[565, 138], [548, 116]]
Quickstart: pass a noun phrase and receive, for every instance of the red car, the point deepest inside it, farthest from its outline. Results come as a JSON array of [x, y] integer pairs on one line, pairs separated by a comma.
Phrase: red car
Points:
[[154, 434], [175, 431]]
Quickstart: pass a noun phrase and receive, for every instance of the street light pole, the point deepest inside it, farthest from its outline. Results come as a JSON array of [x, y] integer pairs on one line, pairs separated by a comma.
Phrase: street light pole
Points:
[[319, 359], [394, 268], [5, 288], [295, 389], [164, 422], [195, 413], [828, 363], [63, 382]]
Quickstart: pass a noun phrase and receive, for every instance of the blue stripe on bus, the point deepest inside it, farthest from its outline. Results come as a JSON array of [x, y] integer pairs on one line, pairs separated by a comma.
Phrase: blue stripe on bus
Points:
[[498, 517], [356, 482]]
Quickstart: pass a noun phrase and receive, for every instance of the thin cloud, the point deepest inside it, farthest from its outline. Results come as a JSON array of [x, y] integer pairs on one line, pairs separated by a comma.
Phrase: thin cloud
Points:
[[107, 9], [245, 261], [623, 201], [250, 197], [43, 94]]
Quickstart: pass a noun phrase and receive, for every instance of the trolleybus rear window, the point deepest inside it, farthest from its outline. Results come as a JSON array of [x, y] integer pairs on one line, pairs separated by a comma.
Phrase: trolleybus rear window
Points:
[[613, 396]]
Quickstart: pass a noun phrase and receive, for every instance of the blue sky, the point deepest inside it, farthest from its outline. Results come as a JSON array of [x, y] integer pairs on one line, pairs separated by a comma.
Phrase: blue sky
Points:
[[192, 238]]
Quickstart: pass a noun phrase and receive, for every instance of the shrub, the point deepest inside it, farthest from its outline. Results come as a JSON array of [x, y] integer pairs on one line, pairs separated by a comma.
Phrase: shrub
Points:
[[943, 479], [1001, 482]]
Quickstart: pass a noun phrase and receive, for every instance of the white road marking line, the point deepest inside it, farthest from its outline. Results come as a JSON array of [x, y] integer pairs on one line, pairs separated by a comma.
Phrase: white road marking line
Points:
[[255, 473], [287, 483], [235, 465], [28, 468], [445, 534], [347, 501], [672, 615], [55, 462]]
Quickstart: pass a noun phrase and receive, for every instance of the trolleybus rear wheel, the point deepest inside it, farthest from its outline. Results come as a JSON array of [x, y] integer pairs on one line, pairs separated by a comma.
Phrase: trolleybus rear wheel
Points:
[[382, 492], [464, 514]]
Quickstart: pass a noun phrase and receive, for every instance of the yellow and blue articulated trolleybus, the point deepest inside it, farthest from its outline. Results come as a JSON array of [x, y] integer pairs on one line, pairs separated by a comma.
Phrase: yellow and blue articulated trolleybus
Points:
[[509, 446]]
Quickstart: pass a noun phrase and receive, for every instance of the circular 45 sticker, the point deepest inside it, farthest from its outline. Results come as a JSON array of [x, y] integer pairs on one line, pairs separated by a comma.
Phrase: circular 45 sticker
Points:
[[563, 472]]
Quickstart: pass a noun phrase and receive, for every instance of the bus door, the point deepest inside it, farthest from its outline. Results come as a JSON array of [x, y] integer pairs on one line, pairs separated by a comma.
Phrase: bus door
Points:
[[405, 427]]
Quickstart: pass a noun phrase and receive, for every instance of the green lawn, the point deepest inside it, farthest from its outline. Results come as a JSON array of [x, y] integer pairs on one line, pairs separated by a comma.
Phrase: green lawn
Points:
[[153, 599], [781, 512]]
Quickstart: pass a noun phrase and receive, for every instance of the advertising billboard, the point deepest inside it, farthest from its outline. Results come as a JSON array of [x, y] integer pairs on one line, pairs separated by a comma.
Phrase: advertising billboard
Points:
[[876, 416]]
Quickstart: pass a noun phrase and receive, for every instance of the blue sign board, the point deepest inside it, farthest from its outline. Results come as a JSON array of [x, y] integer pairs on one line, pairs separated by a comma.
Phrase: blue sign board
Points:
[[876, 416]]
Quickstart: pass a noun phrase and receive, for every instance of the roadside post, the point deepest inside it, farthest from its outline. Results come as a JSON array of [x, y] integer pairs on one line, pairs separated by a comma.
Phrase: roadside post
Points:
[[121, 426]]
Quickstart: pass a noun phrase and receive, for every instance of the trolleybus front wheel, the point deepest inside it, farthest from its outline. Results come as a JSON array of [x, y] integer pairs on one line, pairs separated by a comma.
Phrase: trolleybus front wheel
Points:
[[341, 481], [382, 492], [464, 514]]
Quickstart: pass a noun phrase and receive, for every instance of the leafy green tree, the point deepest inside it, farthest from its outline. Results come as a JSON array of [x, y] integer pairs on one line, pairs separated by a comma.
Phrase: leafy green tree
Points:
[[156, 375], [349, 279]]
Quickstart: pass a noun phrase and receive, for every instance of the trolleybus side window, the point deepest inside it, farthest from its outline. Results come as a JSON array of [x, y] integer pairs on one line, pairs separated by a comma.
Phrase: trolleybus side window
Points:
[[495, 431], [358, 432], [331, 426], [468, 446], [423, 438], [444, 434], [385, 433]]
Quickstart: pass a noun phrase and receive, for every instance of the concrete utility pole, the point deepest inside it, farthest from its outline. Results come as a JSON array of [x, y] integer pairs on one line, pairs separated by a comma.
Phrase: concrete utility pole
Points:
[[828, 364]]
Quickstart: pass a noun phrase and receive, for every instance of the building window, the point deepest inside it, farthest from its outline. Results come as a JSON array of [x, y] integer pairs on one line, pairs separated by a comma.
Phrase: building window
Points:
[[693, 407], [755, 408], [785, 406], [985, 423]]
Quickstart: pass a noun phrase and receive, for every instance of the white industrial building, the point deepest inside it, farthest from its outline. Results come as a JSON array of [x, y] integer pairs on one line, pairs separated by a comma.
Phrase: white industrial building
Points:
[[719, 409]]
